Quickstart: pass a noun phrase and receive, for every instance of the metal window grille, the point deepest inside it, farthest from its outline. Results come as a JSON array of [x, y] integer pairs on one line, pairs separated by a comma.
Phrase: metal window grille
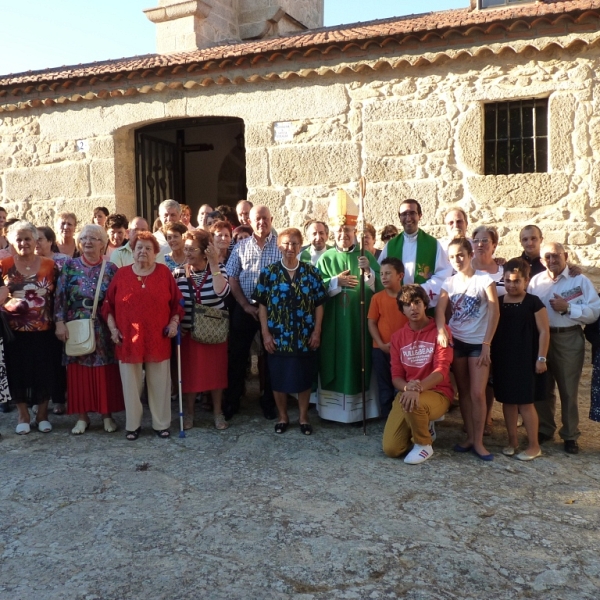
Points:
[[516, 137]]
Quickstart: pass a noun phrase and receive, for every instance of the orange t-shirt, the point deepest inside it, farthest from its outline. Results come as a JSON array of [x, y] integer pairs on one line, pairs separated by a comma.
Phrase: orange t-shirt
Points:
[[384, 310]]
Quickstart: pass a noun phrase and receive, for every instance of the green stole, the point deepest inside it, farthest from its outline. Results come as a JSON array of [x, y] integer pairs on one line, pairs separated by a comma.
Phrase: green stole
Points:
[[426, 253]]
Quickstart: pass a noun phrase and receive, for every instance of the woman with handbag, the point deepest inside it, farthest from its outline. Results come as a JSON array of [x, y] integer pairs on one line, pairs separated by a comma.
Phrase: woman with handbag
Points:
[[93, 380], [31, 281], [203, 284], [142, 308]]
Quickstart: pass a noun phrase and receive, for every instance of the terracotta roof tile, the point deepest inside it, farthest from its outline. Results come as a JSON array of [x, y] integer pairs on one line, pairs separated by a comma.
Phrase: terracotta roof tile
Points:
[[344, 34]]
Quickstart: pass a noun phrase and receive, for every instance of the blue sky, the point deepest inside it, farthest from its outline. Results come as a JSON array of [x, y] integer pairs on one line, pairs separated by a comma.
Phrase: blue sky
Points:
[[37, 34]]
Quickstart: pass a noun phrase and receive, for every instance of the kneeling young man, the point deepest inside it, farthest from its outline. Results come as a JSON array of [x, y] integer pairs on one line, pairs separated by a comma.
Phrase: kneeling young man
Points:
[[421, 370]]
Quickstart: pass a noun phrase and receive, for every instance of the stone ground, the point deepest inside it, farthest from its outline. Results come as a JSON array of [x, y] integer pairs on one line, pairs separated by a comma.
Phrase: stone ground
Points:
[[248, 514]]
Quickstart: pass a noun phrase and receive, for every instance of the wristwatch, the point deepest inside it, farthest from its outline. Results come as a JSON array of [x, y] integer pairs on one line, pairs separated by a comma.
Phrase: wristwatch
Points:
[[567, 311], [541, 359]]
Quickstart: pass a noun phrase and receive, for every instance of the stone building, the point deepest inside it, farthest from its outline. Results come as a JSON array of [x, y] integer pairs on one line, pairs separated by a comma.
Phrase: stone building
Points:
[[494, 107]]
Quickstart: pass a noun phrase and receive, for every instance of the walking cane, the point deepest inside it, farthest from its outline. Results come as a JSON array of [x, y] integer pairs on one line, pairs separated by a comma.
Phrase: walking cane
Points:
[[362, 187], [181, 430]]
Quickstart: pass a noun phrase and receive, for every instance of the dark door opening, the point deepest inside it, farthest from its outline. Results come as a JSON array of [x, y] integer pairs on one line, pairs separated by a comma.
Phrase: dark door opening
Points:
[[194, 161]]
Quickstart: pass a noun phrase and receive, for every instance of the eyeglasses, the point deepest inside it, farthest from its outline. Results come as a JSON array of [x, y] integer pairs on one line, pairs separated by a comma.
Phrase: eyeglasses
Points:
[[290, 244], [88, 238], [408, 213], [481, 241], [190, 249], [387, 238]]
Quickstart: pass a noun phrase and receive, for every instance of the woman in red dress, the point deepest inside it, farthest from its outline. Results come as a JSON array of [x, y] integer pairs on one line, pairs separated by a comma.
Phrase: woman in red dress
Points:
[[143, 310]]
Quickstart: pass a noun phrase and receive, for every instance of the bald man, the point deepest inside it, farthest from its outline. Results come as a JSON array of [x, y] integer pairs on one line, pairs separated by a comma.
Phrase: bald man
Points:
[[247, 259], [571, 302]]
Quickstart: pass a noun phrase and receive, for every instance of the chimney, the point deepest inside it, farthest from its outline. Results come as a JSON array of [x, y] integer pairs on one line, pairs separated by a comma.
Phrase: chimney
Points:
[[185, 26]]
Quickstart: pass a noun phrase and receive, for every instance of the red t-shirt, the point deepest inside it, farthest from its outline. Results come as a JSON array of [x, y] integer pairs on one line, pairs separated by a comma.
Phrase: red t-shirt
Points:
[[385, 312], [416, 354]]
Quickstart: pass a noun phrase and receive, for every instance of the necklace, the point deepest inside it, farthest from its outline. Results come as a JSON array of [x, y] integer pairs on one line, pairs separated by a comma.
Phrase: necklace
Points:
[[289, 268], [26, 267], [90, 264], [143, 279]]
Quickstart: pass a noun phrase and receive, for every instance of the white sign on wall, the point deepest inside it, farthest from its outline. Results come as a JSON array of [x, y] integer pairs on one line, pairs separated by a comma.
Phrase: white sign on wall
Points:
[[83, 145], [283, 131]]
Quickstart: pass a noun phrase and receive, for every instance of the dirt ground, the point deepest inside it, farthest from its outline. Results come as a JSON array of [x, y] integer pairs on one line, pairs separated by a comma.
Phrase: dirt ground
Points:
[[248, 514]]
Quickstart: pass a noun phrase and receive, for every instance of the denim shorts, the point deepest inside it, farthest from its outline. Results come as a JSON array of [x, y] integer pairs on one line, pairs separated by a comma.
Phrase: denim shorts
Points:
[[464, 350]]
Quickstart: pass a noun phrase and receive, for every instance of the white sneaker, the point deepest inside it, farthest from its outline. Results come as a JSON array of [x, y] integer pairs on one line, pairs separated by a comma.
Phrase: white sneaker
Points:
[[418, 454], [432, 432]]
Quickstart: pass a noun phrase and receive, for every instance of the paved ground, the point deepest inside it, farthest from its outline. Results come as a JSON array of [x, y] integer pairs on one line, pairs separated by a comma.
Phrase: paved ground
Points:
[[248, 514]]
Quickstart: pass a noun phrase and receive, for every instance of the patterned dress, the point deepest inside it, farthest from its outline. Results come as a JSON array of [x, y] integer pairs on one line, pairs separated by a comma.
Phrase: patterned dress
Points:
[[32, 372], [93, 380], [291, 305]]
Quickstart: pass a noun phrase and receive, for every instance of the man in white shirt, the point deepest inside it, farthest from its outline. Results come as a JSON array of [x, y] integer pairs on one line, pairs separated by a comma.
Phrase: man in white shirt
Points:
[[169, 211], [571, 302], [424, 259], [123, 256]]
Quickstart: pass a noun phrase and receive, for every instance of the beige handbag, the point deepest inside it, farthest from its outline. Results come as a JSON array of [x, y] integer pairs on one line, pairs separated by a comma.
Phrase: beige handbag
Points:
[[209, 325], [82, 338]]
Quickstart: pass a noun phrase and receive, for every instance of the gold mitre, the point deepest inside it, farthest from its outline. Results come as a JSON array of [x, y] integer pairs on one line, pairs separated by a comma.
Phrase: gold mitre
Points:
[[342, 210]]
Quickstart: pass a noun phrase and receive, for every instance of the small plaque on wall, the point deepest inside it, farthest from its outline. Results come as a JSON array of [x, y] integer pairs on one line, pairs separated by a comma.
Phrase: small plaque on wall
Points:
[[283, 131]]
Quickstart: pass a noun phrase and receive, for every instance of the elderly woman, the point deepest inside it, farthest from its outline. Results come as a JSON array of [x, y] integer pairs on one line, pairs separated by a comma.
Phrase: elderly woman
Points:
[[142, 309], [65, 226], [93, 380], [203, 366], [30, 281], [174, 233], [222, 232], [291, 295]]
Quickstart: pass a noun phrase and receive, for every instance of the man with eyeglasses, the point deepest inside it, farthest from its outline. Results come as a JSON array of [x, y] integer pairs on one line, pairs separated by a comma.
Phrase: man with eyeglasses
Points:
[[424, 259], [123, 256], [571, 302], [248, 258], [318, 233]]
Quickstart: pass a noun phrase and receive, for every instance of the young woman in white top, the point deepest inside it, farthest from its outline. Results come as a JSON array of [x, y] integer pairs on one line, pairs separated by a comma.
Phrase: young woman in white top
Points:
[[474, 306]]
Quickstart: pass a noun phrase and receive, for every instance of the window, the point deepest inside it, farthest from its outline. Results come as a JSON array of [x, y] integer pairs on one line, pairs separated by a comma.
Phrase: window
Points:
[[516, 137], [491, 3]]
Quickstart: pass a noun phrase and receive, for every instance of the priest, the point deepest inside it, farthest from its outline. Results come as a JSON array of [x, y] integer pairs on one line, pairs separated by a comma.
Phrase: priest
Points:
[[339, 396]]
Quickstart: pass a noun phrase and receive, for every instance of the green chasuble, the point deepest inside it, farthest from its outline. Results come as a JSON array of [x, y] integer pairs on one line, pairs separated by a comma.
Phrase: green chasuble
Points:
[[339, 368], [426, 253]]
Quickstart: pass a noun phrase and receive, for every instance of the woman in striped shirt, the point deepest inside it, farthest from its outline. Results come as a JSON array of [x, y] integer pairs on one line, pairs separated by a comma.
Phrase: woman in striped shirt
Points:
[[203, 366]]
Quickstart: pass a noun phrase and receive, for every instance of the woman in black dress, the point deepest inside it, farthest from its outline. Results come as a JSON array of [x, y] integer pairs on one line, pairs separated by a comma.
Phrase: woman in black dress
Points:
[[519, 351]]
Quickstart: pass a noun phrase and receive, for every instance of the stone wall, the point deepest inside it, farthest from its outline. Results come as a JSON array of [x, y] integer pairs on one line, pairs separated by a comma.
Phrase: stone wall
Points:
[[411, 131]]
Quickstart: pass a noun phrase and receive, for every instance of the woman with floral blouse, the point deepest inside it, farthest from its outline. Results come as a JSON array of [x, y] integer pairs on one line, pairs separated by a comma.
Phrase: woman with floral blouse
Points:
[[30, 280], [291, 295], [93, 380]]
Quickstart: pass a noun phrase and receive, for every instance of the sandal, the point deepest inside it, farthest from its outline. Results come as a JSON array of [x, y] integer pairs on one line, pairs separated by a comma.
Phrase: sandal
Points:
[[188, 422], [109, 425], [133, 435], [220, 422], [281, 427], [59, 409], [163, 433], [306, 428], [43, 426]]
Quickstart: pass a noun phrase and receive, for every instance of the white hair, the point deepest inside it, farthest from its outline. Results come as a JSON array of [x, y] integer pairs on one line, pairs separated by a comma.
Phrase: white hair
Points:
[[95, 230], [18, 226], [167, 204]]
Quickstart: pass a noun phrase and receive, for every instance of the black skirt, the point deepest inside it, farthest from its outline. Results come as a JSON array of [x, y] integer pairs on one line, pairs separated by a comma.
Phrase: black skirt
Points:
[[31, 366], [292, 374]]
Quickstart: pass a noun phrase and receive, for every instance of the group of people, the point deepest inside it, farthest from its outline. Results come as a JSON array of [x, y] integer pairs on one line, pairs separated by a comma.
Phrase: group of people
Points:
[[443, 317]]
